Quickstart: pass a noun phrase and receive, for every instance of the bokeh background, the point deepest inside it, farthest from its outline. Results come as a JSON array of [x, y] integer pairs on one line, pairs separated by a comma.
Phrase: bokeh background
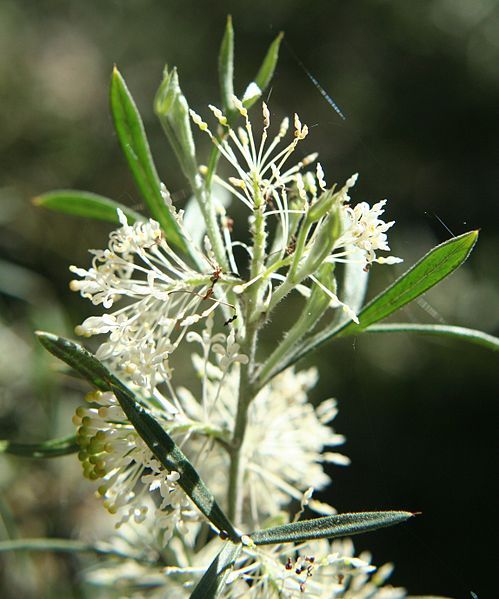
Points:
[[418, 83]]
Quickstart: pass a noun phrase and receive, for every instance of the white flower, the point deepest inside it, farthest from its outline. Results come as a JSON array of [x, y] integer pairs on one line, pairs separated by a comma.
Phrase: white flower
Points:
[[112, 452], [316, 570], [268, 187], [285, 438], [162, 296], [363, 231]]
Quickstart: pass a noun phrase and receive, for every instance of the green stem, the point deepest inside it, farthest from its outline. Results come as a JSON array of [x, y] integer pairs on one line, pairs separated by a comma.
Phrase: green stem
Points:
[[248, 347], [205, 203], [66, 546], [245, 396]]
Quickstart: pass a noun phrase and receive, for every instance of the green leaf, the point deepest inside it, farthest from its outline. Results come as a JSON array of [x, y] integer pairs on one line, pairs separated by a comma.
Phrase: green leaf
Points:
[[226, 67], [441, 330], [86, 204], [49, 449], [157, 439], [133, 141], [437, 264], [266, 71], [79, 359], [212, 583], [328, 527]]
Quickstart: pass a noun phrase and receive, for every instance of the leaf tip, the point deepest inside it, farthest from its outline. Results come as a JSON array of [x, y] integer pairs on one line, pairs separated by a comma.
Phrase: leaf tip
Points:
[[37, 200]]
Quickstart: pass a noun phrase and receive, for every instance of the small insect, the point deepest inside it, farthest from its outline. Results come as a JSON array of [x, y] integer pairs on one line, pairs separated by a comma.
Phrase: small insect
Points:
[[215, 277], [291, 245], [229, 320]]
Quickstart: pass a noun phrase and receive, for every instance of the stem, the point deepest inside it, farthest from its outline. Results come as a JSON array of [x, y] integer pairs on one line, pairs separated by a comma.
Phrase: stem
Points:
[[203, 198], [244, 399], [248, 346]]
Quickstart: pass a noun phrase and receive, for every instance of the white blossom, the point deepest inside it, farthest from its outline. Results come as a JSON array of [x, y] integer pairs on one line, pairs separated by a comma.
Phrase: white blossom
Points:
[[112, 453], [160, 295], [286, 437]]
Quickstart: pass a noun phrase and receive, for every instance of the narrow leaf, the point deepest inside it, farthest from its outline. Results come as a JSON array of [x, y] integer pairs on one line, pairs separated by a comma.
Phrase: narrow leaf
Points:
[[212, 583], [49, 449], [437, 264], [328, 527], [226, 67], [79, 359], [86, 204], [133, 141], [157, 439], [266, 71], [441, 330]]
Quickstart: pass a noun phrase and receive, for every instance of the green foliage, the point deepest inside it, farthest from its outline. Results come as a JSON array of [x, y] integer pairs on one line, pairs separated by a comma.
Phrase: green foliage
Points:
[[133, 141], [49, 449], [328, 527], [85, 204], [432, 268], [212, 582]]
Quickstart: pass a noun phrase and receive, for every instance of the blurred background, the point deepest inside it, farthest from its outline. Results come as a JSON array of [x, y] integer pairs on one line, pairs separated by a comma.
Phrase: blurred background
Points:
[[418, 83]]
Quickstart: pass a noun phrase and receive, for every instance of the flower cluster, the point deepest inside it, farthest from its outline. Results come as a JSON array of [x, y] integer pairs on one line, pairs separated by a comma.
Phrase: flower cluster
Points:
[[112, 452], [156, 301]]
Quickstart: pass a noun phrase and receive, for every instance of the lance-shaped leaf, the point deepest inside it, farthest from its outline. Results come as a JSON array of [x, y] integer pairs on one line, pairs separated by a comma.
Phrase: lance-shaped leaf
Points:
[[49, 449], [133, 141], [328, 527], [155, 437], [226, 68], [85, 204], [437, 264], [265, 73], [212, 583], [439, 330]]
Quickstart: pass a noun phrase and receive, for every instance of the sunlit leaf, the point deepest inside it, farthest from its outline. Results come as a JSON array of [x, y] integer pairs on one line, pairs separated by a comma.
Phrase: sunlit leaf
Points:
[[172, 109], [266, 71], [133, 141], [328, 527], [437, 264], [85, 204], [226, 67]]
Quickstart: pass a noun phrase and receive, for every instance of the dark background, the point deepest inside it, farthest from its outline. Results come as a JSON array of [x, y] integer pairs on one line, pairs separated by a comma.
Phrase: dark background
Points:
[[418, 82]]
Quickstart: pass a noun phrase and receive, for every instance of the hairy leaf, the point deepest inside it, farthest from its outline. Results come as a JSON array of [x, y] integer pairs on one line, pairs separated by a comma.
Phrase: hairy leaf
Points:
[[226, 67], [328, 527]]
